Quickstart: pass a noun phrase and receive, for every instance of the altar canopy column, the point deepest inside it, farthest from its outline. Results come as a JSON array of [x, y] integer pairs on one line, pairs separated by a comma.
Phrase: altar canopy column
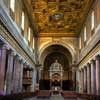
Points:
[[9, 71], [88, 79], [98, 75], [2, 67]]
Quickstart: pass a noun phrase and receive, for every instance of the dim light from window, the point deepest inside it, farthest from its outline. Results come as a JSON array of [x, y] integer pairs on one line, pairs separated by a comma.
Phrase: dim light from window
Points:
[[85, 34], [92, 20], [80, 43], [33, 42], [22, 24], [12, 5], [29, 34]]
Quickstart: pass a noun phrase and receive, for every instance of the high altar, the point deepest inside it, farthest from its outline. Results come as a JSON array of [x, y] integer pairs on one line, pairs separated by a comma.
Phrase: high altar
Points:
[[56, 75]]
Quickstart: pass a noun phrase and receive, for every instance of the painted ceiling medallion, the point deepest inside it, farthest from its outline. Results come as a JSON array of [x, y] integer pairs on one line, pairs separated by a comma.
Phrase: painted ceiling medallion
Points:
[[56, 17]]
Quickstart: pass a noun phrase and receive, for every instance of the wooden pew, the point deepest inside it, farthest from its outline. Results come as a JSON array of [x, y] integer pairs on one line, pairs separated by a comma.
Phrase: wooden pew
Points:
[[84, 96], [69, 95], [88, 96], [18, 96]]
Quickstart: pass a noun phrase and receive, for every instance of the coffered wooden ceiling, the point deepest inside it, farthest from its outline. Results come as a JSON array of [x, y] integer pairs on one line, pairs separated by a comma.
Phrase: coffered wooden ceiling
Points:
[[60, 17]]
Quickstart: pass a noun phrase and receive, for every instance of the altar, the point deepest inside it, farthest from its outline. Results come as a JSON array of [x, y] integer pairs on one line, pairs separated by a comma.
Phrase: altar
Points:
[[56, 74]]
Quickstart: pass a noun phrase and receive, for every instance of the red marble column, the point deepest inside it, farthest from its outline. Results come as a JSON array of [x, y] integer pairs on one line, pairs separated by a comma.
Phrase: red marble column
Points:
[[9, 72], [2, 67], [98, 75], [88, 79]]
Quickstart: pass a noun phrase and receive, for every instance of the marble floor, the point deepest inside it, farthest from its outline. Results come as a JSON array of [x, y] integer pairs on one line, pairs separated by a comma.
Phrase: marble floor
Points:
[[53, 97]]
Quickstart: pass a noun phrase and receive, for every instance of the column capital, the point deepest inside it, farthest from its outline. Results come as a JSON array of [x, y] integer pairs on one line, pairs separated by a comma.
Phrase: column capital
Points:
[[88, 64], [92, 61], [17, 57], [85, 66], [3, 46], [97, 57], [7, 46], [13, 53], [26, 66], [22, 61], [81, 69]]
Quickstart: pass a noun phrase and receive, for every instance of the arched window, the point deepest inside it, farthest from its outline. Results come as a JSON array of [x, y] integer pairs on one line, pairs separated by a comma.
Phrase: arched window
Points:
[[29, 34], [22, 22], [85, 34], [12, 5], [80, 43], [92, 20], [33, 43]]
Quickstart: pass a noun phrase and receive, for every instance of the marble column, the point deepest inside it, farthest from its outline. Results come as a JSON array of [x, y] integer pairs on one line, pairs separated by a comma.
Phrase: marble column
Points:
[[74, 80], [40, 72], [21, 75], [82, 80], [9, 72], [88, 79], [33, 80], [16, 74], [38, 67], [79, 81], [2, 67], [74, 76], [92, 77], [85, 79], [37, 75], [98, 75]]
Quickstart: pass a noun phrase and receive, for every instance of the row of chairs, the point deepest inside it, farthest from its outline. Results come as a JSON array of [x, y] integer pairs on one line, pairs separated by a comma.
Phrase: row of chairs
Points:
[[83, 96]]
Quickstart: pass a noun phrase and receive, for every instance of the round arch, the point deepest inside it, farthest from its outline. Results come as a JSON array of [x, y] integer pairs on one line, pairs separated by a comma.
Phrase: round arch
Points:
[[65, 45]]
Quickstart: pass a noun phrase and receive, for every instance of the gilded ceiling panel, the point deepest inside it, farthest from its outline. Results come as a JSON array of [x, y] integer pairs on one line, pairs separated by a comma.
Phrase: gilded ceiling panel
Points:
[[60, 16]]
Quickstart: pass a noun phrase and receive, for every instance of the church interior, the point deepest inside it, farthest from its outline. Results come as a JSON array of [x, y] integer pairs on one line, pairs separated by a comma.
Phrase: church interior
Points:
[[50, 49]]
